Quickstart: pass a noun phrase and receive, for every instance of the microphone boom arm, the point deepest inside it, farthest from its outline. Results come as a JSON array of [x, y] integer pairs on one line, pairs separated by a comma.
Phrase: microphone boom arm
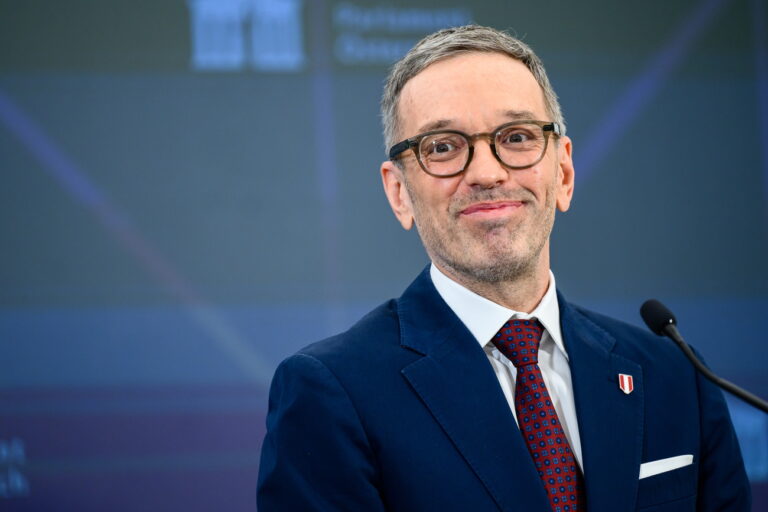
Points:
[[754, 400]]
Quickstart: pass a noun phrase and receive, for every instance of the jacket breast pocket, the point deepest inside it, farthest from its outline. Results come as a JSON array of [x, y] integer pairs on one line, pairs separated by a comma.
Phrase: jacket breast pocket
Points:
[[675, 488]]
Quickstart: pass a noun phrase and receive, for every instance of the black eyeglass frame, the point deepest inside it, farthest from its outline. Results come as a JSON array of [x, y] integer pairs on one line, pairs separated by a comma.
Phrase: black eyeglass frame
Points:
[[415, 143]]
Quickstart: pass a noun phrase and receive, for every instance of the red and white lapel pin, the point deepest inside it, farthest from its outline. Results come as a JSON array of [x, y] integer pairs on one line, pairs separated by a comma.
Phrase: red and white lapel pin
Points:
[[626, 383]]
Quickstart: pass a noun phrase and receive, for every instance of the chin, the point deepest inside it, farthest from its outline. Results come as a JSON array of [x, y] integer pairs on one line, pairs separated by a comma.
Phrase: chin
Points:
[[494, 270]]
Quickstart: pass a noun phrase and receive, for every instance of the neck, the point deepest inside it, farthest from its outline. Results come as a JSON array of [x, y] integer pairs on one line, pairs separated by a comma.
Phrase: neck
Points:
[[523, 293]]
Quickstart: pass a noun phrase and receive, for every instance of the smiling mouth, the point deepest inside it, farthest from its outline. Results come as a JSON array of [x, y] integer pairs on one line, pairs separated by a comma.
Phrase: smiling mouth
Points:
[[493, 208]]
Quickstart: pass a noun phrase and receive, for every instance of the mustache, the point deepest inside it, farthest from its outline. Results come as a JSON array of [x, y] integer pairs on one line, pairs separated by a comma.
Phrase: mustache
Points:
[[488, 196]]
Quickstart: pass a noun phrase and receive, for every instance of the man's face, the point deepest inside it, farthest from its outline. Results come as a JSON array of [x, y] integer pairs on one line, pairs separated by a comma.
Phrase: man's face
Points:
[[488, 224]]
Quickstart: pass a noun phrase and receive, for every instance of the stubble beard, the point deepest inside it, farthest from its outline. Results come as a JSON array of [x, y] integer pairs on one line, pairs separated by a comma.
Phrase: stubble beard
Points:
[[496, 251]]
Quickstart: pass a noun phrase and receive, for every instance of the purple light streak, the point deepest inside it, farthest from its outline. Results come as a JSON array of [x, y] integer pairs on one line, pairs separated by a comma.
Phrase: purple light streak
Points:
[[117, 223], [620, 116], [326, 162]]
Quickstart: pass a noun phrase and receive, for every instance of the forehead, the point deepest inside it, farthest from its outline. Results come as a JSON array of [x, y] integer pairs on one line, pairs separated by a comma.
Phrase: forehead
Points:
[[470, 92]]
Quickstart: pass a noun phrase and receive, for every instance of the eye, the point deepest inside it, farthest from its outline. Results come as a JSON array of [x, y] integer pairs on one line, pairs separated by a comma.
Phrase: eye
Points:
[[442, 146], [520, 137], [516, 136]]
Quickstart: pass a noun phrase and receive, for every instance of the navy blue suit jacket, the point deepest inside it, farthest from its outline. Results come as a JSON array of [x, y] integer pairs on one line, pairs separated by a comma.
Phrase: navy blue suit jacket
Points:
[[403, 412]]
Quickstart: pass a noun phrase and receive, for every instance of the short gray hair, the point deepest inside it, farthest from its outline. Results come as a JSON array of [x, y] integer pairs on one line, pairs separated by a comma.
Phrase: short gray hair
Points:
[[448, 43]]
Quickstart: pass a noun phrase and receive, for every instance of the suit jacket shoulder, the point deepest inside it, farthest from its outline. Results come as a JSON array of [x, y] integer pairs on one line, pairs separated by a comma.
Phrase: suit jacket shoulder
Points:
[[362, 344], [632, 341]]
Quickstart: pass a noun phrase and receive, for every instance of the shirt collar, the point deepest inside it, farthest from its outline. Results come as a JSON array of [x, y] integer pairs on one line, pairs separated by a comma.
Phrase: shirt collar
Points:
[[484, 318]]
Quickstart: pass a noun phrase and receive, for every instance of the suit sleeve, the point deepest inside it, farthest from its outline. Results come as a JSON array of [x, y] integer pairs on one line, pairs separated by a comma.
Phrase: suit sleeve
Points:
[[723, 483], [316, 455]]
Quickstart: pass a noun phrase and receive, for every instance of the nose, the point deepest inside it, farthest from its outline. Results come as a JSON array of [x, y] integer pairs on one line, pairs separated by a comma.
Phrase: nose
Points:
[[484, 169]]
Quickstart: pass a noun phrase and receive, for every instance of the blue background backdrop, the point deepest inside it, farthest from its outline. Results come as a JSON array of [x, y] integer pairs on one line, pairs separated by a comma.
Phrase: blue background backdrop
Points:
[[189, 192]]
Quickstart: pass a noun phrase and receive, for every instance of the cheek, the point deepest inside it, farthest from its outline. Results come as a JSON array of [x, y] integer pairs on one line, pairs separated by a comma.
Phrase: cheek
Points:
[[547, 179], [434, 194], [536, 171], [537, 181]]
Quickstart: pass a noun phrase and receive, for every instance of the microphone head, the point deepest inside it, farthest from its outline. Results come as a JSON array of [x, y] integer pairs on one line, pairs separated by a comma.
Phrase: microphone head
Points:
[[656, 316]]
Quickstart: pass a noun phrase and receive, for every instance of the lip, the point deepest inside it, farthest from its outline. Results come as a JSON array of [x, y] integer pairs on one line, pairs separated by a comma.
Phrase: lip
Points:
[[492, 208]]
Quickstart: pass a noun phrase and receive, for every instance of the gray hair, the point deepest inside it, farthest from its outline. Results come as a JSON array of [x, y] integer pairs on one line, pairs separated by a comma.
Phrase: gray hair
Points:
[[448, 43]]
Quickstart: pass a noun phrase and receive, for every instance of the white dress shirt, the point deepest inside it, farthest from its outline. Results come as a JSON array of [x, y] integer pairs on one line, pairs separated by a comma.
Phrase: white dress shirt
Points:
[[484, 318]]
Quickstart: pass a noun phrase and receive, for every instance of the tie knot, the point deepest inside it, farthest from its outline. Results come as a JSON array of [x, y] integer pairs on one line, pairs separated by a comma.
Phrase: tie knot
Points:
[[519, 341]]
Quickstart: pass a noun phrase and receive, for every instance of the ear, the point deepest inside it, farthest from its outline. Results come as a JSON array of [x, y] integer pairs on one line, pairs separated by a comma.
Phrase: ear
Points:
[[565, 174], [397, 194]]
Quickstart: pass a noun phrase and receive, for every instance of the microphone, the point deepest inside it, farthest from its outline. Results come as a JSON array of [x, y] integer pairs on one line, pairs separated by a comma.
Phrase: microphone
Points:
[[661, 321]]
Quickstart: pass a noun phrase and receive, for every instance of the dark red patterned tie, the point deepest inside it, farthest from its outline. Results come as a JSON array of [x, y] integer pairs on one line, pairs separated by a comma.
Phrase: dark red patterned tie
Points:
[[519, 341]]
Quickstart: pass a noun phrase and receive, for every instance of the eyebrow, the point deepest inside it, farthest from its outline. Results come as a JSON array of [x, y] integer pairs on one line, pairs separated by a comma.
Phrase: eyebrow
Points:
[[435, 125], [512, 115], [519, 115]]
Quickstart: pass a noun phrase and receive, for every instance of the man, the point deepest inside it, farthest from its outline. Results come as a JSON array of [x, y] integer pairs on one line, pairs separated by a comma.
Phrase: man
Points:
[[481, 388]]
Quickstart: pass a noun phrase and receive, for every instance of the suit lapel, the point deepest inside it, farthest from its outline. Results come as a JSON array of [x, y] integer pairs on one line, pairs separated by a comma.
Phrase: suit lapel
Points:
[[610, 421], [456, 383]]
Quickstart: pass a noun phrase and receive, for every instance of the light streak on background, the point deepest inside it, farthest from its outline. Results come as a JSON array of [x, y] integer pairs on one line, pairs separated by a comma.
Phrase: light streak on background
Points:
[[118, 224], [325, 161], [630, 104]]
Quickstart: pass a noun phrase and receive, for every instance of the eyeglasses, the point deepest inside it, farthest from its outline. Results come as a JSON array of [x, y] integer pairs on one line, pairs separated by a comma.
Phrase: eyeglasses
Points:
[[446, 153]]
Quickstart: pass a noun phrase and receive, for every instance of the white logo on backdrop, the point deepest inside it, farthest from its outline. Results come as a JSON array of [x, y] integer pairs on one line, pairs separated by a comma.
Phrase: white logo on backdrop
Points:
[[381, 34], [229, 35]]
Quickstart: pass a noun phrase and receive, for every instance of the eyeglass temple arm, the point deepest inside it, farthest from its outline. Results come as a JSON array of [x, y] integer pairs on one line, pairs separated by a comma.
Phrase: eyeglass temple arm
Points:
[[400, 147]]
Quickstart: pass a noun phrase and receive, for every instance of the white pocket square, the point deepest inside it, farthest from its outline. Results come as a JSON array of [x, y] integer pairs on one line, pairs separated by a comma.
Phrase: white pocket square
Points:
[[663, 465]]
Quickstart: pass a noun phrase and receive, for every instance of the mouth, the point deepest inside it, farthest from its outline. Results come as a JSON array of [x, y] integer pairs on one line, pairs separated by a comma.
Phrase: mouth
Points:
[[491, 209]]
